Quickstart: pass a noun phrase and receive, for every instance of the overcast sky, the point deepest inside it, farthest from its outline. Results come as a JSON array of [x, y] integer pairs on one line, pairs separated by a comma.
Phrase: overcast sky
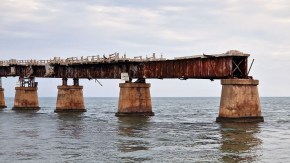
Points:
[[43, 29]]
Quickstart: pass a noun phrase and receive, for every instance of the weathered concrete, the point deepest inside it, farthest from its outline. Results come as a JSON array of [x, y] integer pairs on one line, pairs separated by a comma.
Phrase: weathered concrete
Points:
[[2, 99], [240, 101], [26, 98], [70, 99], [134, 100]]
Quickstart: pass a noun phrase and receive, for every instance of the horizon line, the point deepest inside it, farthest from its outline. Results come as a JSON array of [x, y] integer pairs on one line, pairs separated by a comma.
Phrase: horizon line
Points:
[[155, 96]]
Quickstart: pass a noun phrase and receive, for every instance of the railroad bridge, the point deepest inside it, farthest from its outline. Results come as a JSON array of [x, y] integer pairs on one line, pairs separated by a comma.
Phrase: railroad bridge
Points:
[[239, 100]]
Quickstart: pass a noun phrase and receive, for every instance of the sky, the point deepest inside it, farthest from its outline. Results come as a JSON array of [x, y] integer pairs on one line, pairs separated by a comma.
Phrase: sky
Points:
[[43, 29]]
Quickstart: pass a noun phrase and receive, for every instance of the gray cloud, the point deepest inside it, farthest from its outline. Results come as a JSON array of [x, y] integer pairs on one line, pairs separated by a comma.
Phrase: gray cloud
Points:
[[47, 28]]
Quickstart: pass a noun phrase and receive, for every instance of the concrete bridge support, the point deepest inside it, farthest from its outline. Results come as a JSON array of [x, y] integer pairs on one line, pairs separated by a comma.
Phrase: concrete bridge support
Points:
[[26, 97], [134, 100], [70, 98], [240, 101], [2, 97]]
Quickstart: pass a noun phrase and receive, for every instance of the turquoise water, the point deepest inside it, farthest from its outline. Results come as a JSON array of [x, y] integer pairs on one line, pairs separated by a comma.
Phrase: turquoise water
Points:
[[182, 130]]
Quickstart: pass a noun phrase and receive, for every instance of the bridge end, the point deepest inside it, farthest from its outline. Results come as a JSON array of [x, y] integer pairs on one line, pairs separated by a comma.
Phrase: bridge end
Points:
[[134, 100], [240, 101]]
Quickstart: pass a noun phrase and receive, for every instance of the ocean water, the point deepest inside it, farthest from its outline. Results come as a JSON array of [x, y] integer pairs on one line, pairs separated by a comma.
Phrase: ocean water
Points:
[[182, 130]]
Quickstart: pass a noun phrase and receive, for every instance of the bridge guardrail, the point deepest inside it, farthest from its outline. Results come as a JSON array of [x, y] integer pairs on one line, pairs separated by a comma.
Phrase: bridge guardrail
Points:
[[82, 60]]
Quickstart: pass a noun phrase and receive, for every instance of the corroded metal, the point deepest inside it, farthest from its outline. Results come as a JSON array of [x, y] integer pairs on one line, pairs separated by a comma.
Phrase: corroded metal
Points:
[[27, 82], [232, 64], [64, 81], [76, 82]]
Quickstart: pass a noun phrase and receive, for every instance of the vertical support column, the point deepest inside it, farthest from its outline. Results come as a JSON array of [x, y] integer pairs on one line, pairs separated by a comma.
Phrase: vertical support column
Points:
[[70, 98], [240, 101], [64, 81], [26, 97], [76, 82], [135, 100], [2, 97]]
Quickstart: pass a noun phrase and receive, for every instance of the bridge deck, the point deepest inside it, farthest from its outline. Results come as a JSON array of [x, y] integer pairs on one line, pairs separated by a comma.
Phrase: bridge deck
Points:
[[232, 64]]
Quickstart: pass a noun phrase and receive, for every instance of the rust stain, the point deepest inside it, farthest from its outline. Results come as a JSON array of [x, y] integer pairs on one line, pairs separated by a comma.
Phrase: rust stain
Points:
[[187, 68]]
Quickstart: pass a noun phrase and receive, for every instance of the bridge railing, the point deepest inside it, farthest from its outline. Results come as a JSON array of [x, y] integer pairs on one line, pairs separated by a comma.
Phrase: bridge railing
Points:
[[82, 60]]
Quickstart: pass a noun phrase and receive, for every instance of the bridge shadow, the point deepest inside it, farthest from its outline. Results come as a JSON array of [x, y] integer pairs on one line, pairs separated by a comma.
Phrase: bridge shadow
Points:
[[240, 142], [132, 138]]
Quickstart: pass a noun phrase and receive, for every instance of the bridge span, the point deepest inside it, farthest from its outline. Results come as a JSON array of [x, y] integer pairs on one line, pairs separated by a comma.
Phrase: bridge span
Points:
[[239, 102]]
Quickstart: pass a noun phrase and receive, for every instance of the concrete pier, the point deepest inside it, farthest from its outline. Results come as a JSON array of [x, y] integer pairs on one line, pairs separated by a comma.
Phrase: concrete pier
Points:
[[240, 101], [2, 99], [26, 98], [70, 98], [134, 100]]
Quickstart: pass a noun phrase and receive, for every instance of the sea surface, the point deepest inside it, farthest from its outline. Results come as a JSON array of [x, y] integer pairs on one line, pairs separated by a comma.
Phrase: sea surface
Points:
[[182, 130]]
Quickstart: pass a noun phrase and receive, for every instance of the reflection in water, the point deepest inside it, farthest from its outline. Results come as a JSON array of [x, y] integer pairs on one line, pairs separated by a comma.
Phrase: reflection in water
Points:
[[30, 130], [26, 132], [132, 132], [239, 142], [71, 124], [26, 111], [70, 131], [182, 132]]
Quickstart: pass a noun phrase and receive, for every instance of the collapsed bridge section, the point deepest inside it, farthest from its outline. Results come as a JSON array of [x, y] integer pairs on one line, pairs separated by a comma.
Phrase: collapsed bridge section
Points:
[[232, 64]]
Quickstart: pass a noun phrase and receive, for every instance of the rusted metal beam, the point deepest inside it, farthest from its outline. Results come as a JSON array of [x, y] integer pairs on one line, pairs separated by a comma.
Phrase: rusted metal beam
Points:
[[195, 67]]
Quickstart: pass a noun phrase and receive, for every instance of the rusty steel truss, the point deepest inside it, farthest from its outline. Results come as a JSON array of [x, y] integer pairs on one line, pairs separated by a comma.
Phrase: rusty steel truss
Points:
[[232, 64]]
